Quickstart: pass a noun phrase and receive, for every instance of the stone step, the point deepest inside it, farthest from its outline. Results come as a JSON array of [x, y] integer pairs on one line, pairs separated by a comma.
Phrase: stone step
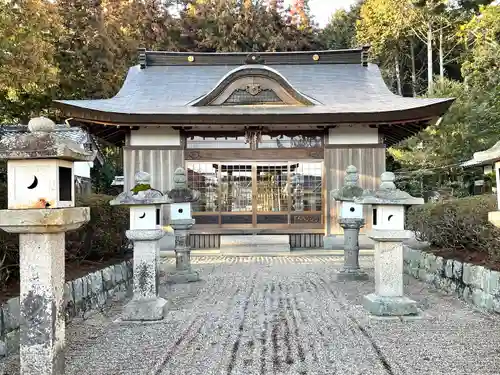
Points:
[[254, 243]]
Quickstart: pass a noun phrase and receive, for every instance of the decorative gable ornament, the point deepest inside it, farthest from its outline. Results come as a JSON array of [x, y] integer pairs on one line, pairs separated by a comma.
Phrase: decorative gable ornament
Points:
[[253, 89], [253, 85]]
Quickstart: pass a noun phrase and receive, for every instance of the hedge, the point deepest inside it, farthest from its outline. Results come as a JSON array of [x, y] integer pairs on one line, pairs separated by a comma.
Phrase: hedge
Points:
[[460, 225], [101, 239]]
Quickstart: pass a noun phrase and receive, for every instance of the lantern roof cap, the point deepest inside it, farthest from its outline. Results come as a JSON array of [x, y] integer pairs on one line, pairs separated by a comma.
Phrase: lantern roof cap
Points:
[[350, 189], [43, 142], [388, 194], [181, 193], [141, 194]]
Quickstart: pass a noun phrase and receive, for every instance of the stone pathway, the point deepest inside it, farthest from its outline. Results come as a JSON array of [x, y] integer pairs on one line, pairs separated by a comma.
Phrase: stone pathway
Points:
[[285, 315]]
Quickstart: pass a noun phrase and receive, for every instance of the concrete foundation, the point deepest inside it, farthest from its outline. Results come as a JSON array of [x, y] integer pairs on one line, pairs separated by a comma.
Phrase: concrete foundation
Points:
[[254, 244]]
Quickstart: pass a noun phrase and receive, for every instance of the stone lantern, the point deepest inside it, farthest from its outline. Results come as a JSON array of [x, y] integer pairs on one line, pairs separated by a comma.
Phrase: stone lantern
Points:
[[41, 198], [389, 232], [298, 192], [351, 220], [486, 159], [181, 221], [145, 232]]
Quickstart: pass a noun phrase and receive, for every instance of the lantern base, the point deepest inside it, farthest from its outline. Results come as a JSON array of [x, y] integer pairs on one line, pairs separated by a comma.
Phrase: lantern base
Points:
[[352, 275], [150, 309], [44, 220], [183, 277], [389, 306]]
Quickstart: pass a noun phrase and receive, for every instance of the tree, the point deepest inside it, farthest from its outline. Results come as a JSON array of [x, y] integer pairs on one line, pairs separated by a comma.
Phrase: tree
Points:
[[340, 32], [387, 27], [301, 14], [88, 48], [155, 29], [481, 35], [235, 25], [28, 73]]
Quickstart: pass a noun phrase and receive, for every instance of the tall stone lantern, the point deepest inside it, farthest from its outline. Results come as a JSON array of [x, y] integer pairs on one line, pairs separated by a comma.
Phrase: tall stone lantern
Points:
[[351, 220], [145, 232], [388, 232], [487, 159], [181, 221], [41, 199]]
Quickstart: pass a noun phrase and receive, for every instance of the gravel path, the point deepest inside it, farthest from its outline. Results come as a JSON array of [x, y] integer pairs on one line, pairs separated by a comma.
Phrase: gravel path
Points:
[[285, 315]]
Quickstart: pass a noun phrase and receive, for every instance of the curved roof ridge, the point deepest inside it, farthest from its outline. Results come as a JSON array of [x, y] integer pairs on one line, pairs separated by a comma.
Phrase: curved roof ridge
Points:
[[249, 70]]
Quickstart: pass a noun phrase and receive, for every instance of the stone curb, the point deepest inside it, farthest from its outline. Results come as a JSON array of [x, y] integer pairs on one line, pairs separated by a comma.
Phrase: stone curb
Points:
[[474, 284], [81, 297]]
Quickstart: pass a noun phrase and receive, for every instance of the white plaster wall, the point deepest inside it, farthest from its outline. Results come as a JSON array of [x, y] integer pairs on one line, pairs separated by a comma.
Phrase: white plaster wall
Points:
[[155, 136], [355, 134], [82, 168]]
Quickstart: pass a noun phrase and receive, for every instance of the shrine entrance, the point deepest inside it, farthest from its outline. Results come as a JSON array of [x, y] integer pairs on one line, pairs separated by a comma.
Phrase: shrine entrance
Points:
[[276, 194]]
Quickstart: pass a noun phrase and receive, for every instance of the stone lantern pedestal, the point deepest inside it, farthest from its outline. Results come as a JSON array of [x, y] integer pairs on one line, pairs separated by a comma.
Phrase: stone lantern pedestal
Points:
[[183, 270], [40, 209], [181, 221], [351, 220], [388, 232], [145, 232], [351, 269]]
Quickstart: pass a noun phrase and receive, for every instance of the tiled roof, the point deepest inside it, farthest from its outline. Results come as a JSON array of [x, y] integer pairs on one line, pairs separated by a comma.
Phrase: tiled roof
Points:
[[342, 85], [340, 88]]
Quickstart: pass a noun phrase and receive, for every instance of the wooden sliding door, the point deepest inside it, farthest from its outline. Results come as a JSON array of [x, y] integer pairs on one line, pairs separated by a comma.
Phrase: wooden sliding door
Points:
[[275, 194]]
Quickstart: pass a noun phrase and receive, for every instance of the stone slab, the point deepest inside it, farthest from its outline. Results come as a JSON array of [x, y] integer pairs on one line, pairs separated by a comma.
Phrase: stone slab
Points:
[[144, 309], [389, 306], [349, 275], [182, 277], [254, 243]]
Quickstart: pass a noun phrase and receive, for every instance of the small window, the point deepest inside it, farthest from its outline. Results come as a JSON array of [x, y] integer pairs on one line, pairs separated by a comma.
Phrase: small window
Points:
[[294, 141], [65, 184], [158, 214], [374, 216]]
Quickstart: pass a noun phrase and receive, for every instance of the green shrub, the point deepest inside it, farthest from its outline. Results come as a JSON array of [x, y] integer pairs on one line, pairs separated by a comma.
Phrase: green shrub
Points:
[[101, 239], [104, 236], [458, 225]]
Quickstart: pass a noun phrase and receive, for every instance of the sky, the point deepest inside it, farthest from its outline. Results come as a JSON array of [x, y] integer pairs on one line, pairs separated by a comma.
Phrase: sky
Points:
[[323, 9]]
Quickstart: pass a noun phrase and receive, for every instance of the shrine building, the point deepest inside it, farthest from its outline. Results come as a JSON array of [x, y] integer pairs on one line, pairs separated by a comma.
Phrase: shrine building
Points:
[[263, 136]]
